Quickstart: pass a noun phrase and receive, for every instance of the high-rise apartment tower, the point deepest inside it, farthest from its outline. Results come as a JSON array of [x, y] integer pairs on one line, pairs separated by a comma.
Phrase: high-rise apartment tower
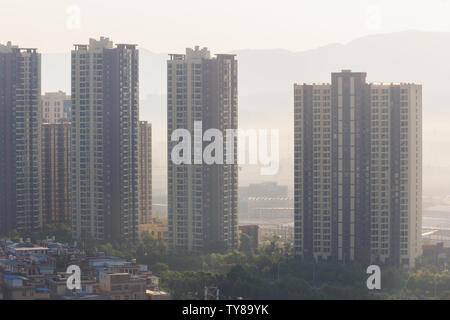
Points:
[[202, 198], [105, 128], [20, 139], [358, 170]]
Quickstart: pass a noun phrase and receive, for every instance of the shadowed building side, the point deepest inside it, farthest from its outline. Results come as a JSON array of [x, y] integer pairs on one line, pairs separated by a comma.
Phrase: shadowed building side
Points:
[[202, 198], [105, 128], [358, 170], [56, 173], [20, 125], [145, 172]]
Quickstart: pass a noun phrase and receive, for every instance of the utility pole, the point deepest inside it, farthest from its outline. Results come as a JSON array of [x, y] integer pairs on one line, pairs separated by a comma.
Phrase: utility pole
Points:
[[211, 293]]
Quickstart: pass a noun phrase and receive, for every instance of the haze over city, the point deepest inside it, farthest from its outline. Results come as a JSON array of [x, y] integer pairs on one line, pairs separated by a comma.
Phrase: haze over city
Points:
[[294, 41], [265, 83], [387, 39], [252, 24]]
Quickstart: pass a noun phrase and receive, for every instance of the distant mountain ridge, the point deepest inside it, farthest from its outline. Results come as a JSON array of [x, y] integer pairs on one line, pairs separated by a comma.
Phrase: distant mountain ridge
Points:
[[266, 79], [409, 56]]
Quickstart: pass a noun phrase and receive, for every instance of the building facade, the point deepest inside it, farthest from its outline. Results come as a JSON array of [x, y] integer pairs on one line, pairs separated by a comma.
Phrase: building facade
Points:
[[105, 128], [56, 107], [202, 198], [145, 172], [122, 286], [252, 231], [358, 169], [56, 173], [396, 172], [157, 229], [20, 144]]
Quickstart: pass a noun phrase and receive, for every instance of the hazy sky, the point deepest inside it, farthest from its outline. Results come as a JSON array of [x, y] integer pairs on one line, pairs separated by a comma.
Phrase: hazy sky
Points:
[[162, 26]]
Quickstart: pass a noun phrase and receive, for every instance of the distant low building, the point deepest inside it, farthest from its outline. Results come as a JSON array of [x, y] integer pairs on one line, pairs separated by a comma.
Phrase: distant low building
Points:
[[252, 231], [28, 272], [57, 285], [158, 230], [269, 208], [435, 252], [122, 286], [264, 190], [56, 107], [25, 248]]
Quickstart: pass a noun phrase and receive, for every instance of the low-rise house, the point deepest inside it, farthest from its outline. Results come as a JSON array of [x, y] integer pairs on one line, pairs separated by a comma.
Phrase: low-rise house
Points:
[[29, 272], [23, 249], [17, 287], [57, 285], [122, 286]]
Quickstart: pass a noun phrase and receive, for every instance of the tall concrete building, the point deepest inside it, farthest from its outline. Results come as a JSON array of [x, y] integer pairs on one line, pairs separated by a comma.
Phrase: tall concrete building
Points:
[[396, 172], [56, 107], [358, 169], [105, 128], [56, 173], [20, 120], [145, 172], [202, 198]]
